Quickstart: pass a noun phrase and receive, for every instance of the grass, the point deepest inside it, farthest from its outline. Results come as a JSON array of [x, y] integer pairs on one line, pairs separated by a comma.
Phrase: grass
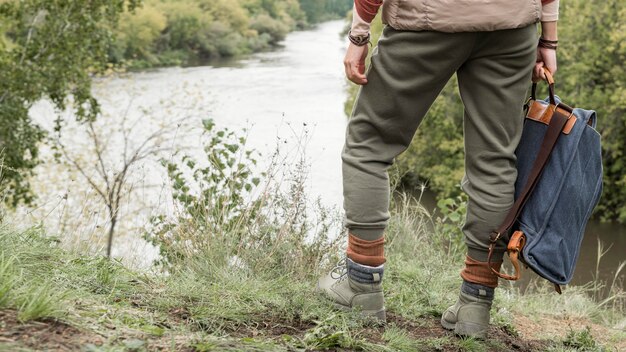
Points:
[[238, 272], [203, 304]]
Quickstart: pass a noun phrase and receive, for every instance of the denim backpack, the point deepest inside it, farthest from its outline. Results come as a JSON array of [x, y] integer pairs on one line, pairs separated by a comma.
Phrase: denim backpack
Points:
[[559, 164]]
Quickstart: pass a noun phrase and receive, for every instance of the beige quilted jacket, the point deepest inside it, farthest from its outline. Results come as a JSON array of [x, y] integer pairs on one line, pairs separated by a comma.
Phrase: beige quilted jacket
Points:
[[460, 15]]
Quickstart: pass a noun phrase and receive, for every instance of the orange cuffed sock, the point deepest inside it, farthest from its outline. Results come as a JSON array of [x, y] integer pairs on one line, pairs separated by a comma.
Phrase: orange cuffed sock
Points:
[[370, 253], [480, 273]]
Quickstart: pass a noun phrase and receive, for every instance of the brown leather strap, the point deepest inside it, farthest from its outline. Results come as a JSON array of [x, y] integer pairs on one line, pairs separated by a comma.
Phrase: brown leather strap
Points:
[[550, 80], [555, 127], [517, 242]]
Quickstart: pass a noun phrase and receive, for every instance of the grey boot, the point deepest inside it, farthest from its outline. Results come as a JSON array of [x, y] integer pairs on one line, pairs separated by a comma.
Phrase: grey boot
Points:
[[351, 285], [469, 316]]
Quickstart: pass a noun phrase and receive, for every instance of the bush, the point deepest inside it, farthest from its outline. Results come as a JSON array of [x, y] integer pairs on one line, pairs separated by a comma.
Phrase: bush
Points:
[[276, 29], [179, 32], [138, 33], [227, 217], [187, 26]]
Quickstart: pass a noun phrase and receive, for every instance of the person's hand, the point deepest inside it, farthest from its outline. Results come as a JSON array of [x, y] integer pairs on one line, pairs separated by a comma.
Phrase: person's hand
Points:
[[354, 63], [545, 58]]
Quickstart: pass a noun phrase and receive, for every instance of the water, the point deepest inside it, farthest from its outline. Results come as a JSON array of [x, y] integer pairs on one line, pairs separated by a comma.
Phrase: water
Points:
[[291, 99]]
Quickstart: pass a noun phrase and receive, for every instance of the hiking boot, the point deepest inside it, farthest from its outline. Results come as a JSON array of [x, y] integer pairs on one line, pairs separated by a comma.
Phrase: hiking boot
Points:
[[353, 286], [469, 316]]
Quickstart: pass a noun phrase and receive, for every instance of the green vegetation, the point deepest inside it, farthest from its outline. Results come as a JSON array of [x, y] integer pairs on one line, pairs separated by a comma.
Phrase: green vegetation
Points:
[[591, 75], [247, 281], [251, 304], [51, 50], [168, 32], [48, 49]]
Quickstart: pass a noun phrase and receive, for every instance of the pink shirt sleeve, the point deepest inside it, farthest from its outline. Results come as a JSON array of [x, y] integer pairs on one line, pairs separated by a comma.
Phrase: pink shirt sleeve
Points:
[[359, 25], [550, 11]]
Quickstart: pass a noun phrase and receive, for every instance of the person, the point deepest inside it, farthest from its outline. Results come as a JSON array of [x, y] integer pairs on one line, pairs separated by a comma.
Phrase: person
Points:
[[494, 49]]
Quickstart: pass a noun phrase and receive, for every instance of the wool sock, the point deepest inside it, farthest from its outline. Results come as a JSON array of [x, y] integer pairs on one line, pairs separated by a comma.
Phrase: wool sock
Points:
[[480, 273], [370, 253]]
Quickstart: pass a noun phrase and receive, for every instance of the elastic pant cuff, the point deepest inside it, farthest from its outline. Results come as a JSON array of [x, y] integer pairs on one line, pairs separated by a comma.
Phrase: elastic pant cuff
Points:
[[363, 273], [367, 234]]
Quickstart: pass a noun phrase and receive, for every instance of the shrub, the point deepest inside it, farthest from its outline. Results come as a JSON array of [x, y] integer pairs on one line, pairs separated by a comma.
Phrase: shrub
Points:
[[264, 24], [227, 217], [138, 33]]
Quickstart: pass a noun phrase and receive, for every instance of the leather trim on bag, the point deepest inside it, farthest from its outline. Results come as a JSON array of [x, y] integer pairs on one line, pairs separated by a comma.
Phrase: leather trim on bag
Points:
[[543, 113]]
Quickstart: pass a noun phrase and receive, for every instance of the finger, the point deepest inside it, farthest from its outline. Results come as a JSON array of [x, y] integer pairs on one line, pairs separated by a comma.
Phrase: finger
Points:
[[346, 69], [358, 73], [538, 72], [552, 69]]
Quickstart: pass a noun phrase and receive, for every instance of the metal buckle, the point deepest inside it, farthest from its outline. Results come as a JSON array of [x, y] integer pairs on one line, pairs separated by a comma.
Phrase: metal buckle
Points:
[[495, 239]]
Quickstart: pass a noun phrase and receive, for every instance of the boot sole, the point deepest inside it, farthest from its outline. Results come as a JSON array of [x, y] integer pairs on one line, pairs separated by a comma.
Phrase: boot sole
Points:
[[471, 330], [447, 325]]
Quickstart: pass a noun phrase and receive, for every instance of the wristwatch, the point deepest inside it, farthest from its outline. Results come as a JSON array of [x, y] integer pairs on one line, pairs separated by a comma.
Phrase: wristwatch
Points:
[[359, 40]]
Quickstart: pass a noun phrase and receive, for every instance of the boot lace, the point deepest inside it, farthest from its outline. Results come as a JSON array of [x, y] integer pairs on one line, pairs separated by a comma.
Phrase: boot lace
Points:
[[340, 271]]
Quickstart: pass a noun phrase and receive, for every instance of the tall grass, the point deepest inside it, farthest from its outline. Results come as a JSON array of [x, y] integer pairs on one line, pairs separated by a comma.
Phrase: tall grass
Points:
[[23, 284]]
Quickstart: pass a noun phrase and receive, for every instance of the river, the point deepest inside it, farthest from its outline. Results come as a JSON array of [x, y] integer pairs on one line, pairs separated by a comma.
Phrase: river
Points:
[[291, 99]]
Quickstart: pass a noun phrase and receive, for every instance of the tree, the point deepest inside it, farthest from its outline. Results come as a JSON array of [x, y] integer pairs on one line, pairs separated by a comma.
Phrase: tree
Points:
[[48, 50], [592, 76], [108, 171]]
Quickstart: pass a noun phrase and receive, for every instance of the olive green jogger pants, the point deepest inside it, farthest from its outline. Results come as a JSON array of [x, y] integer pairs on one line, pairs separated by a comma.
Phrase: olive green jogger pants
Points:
[[408, 71]]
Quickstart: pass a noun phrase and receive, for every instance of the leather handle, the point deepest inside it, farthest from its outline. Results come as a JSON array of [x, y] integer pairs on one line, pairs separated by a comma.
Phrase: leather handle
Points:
[[550, 80]]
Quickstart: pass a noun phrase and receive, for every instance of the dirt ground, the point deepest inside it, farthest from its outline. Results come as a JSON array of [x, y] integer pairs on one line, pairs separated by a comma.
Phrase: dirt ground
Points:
[[50, 335], [46, 335]]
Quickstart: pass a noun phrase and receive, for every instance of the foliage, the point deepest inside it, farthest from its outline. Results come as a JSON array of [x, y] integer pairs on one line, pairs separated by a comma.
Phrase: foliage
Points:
[[449, 225], [212, 195], [242, 255], [437, 151], [591, 75], [137, 38], [21, 287], [320, 10], [49, 50], [227, 215], [182, 32], [582, 340], [205, 305]]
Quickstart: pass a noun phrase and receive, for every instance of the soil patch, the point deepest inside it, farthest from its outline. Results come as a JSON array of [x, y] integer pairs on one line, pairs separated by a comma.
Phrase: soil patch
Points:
[[555, 327], [49, 335], [429, 328], [424, 328]]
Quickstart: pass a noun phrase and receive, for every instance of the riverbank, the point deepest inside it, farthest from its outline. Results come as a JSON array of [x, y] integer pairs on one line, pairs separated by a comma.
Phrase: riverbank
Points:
[[163, 33], [52, 299]]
